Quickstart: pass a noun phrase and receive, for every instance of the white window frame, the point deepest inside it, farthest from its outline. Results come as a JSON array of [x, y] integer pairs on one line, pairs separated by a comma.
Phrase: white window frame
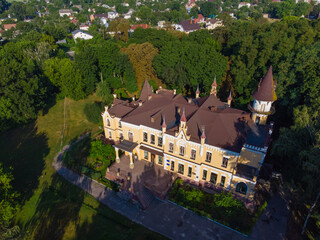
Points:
[[227, 157], [210, 156], [143, 136], [195, 155], [172, 147], [184, 149], [152, 135]]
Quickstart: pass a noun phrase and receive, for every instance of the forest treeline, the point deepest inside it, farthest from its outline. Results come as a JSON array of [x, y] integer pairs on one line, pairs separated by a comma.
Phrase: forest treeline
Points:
[[34, 70]]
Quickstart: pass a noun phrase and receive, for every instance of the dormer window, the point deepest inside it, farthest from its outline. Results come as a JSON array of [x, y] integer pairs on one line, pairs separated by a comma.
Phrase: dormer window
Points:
[[108, 122]]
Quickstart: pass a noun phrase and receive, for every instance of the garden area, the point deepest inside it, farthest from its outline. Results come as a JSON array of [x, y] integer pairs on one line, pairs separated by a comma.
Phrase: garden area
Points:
[[221, 207], [91, 157]]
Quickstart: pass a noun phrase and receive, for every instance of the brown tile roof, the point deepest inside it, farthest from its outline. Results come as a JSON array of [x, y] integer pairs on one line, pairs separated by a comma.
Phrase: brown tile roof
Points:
[[266, 88], [224, 127], [146, 91], [144, 26], [9, 26], [189, 25]]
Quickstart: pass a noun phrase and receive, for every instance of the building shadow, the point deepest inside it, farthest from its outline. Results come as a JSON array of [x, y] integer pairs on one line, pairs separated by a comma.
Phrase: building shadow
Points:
[[25, 150], [59, 205]]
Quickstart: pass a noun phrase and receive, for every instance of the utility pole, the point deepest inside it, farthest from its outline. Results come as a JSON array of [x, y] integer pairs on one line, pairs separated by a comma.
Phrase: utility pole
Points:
[[309, 214]]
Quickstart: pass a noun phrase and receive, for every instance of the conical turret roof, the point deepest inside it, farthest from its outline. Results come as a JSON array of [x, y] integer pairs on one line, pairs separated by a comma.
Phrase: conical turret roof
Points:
[[266, 88]]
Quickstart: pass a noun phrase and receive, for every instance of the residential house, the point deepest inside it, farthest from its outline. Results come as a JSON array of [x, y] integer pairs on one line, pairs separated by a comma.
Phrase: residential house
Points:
[[78, 6], [203, 140], [243, 4], [81, 34], [187, 26], [189, 5], [6, 27], [112, 15], [134, 27], [161, 24], [213, 23], [84, 27], [65, 12], [74, 21], [200, 19], [103, 18]]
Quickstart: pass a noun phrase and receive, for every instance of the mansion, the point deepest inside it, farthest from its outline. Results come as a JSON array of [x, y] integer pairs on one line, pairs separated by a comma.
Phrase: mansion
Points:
[[201, 139]]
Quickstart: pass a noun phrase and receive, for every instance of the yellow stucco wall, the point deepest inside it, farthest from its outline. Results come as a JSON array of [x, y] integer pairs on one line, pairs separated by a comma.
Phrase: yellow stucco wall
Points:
[[198, 164]]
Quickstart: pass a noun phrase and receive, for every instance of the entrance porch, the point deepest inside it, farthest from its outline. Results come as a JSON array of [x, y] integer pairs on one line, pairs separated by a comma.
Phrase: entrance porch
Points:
[[144, 181]]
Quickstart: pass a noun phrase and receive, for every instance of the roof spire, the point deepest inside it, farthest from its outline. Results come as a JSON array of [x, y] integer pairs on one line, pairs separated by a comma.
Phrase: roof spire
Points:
[[214, 87], [164, 125], [230, 96], [198, 92], [183, 117], [203, 135], [266, 88]]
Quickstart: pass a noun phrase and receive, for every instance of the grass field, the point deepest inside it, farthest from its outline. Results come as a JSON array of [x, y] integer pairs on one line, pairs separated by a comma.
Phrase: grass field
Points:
[[52, 208]]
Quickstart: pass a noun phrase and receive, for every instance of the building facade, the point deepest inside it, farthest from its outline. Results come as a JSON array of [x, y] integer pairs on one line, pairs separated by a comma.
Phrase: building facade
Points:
[[202, 139]]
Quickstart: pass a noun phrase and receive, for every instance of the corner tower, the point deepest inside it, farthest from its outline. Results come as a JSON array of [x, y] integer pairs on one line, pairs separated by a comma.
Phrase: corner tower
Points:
[[263, 98]]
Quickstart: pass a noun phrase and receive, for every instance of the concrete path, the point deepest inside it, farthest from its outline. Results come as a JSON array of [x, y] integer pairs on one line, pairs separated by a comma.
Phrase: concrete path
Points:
[[163, 217], [272, 224]]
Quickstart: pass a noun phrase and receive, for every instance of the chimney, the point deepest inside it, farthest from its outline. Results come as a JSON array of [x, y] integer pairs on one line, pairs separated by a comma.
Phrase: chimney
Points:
[[190, 21], [203, 137], [133, 98], [114, 95], [149, 97], [229, 99], [189, 100], [178, 110], [140, 103], [174, 91], [198, 92]]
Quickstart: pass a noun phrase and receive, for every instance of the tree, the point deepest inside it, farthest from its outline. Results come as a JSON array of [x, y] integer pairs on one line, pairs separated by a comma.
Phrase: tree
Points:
[[3, 5], [64, 75], [141, 57], [145, 14], [18, 10], [208, 8], [23, 88], [194, 12], [102, 152], [8, 206]]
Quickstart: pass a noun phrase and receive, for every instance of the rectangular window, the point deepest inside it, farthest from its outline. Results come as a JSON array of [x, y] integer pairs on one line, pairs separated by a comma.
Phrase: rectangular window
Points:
[[160, 160], [121, 136], [208, 157], [153, 139], [224, 162], [213, 178], [145, 136], [181, 168], [204, 175], [146, 155], [160, 141], [172, 165], [193, 154], [181, 151], [223, 180], [189, 171], [110, 134], [170, 147], [120, 126]]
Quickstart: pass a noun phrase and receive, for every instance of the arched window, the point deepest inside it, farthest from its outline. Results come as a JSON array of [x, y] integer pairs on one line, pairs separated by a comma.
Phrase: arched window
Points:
[[108, 122], [242, 188]]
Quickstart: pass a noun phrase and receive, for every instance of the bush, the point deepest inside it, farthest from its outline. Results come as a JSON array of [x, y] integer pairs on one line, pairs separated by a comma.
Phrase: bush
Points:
[[93, 112]]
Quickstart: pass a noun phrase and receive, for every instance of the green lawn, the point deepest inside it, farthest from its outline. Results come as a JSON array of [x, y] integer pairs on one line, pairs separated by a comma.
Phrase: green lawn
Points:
[[52, 208]]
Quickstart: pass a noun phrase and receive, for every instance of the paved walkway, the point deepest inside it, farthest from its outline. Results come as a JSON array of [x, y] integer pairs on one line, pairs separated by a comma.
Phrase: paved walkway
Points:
[[163, 217], [272, 224]]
